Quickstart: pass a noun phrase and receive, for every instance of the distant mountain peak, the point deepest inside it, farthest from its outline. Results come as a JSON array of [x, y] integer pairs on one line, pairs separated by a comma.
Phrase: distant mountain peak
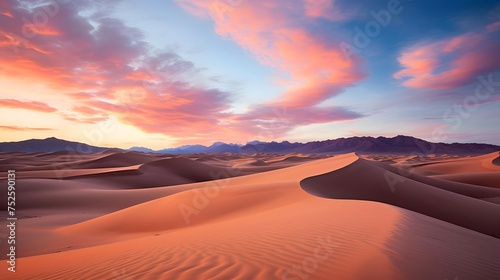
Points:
[[141, 149], [218, 143], [256, 142], [50, 144]]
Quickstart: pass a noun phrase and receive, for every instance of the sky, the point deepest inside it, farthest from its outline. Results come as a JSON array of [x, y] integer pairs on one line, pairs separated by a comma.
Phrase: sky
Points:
[[168, 73]]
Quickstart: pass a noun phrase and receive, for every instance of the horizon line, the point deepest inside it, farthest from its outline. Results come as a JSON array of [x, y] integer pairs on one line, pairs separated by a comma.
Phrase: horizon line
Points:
[[244, 144]]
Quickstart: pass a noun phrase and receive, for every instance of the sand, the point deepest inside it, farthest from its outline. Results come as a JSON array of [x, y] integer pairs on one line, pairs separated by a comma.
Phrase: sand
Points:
[[222, 216]]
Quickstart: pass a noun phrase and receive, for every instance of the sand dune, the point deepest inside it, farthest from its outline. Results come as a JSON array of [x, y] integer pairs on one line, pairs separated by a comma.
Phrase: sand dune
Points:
[[45, 161], [476, 164], [377, 185], [163, 172], [491, 179], [496, 161], [256, 226], [258, 162], [476, 190], [118, 160]]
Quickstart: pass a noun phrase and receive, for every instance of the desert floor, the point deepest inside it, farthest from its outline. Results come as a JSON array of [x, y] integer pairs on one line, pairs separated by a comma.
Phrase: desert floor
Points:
[[129, 215]]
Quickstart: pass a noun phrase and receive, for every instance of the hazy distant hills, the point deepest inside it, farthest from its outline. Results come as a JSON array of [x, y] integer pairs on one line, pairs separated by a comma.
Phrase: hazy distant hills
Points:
[[217, 147], [364, 145]]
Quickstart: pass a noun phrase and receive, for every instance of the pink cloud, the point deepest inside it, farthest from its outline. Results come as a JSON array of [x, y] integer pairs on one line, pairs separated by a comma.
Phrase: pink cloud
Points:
[[323, 9], [180, 112], [108, 69], [493, 27], [27, 105], [21, 128], [449, 63], [87, 111], [84, 114], [270, 31]]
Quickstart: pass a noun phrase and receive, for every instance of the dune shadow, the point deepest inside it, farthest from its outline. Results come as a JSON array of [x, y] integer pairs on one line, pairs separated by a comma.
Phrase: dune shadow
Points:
[[496, 161], [453, 202]]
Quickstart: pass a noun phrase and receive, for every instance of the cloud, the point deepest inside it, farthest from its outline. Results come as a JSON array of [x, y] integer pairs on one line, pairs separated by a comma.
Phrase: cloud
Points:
[[66, 50], [279, 119], [493, 27], [179, 112], [451, 62], [276, 34], [27, 105], [87, 111], [108, 69], [21, 128], [323, 9], [84, 114]]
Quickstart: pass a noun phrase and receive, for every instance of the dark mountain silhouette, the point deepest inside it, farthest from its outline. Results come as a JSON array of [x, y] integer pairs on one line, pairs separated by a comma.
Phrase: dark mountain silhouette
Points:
[[51, 144], [362, 145], [399, 144]]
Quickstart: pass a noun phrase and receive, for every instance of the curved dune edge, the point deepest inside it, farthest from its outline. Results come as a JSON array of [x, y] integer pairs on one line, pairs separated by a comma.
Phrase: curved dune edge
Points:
[[496, 161], [256, 245], [483, 163], [280, 187], [363, 180], [62, 203], [475, 188], [490, 179], [264, 226], [346, 239], [364, 240]]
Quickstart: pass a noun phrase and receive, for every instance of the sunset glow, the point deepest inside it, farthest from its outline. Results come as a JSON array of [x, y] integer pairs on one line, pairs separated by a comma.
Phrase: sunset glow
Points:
[[169, 73]]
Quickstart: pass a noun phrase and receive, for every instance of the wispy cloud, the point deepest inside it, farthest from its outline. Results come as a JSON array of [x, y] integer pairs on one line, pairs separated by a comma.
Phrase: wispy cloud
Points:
[[450, 62], [111, 70], [27, 105], [276, 34], [493, 27], [21, 128]]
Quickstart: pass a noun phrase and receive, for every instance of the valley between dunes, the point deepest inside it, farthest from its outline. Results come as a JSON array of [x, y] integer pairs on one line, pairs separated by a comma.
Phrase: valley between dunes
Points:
[[132, 215]]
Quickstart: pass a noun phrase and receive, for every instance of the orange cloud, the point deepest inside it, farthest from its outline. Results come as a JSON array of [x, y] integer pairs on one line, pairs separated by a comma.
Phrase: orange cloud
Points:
[[93, 63], [450, 62], [317, 70], [84, 114], [87, 111], [178, 112], [7, 14], [108, 69], [323, 9], [5, 9], [27, 105], [21, 128]]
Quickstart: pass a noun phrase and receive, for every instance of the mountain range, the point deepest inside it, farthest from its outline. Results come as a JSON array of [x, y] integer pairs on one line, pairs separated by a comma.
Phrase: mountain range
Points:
[[364, 145], [51, 144]]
